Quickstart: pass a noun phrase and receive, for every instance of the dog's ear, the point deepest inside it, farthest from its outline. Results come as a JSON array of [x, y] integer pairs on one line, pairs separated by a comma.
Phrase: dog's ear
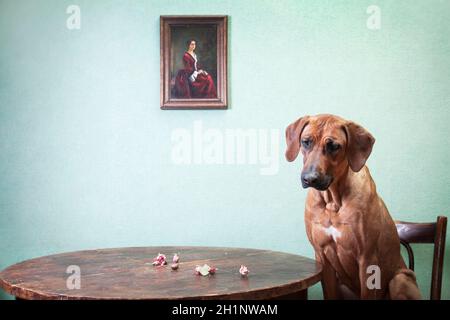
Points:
[[293, 133], [359, 145]]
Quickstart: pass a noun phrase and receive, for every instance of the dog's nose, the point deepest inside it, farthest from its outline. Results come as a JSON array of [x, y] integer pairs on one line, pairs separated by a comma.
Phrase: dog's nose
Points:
[[310, 178]]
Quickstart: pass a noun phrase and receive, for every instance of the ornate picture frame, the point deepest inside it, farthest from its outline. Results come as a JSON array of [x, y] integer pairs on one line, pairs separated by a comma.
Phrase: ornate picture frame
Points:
[[193, 63]]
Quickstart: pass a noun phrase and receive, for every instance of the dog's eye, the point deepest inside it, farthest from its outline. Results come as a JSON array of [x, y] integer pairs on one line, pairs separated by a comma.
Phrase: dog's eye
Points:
[[306, 143], [332, 147]]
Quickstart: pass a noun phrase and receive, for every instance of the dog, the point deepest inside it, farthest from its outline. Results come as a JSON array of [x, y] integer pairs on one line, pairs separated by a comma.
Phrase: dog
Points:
[[347, 223]]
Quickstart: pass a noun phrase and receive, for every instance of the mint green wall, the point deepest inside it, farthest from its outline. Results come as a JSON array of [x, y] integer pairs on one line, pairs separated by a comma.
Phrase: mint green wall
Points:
[[85, 149]]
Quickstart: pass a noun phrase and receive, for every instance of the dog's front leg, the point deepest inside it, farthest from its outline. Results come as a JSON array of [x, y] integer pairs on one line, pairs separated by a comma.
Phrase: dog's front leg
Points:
[[329, 280]]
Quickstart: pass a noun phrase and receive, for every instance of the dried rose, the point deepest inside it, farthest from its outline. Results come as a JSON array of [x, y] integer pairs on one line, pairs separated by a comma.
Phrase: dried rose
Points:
[[197, 270], [205, 270], [176, 258], [243, 271], [160, 260]]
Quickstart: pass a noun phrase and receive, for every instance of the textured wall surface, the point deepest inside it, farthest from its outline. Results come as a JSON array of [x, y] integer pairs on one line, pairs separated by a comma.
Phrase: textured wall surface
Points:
[[85, 151]]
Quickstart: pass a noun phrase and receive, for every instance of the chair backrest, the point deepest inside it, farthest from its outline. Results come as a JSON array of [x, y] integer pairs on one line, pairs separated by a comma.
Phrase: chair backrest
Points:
[[426, 233]]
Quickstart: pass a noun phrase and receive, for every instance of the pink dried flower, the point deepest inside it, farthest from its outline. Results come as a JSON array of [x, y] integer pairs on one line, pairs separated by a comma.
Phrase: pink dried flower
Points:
[[197, 270], [160, 260], [176, 258], [243, 271], [205, 270]]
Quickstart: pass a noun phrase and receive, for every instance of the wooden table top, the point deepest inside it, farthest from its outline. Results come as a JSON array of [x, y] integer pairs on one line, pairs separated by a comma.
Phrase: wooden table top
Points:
[[127, 273]]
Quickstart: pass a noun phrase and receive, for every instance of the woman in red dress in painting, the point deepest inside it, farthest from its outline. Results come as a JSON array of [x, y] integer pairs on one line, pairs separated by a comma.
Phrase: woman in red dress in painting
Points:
[[193, 82]]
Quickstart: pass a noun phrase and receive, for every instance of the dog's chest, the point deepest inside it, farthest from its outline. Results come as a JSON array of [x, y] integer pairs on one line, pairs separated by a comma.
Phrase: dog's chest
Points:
[[331, 227], [332, 232]]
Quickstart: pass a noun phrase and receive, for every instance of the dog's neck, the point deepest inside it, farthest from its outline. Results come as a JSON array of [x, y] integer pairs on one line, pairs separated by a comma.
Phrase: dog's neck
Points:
[[336, 192]]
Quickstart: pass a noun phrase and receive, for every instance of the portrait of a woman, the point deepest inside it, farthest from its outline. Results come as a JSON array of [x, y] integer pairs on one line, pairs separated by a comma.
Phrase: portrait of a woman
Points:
[[192, 81]]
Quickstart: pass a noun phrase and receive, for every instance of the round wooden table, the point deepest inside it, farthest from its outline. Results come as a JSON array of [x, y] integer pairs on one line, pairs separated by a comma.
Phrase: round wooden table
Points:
[[128, 273]]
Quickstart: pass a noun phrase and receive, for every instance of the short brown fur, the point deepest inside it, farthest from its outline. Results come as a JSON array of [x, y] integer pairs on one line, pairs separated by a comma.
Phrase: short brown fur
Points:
[[346, 221]]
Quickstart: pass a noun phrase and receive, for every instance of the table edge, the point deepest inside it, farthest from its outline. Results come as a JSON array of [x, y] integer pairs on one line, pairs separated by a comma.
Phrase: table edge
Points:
[[260, 293]]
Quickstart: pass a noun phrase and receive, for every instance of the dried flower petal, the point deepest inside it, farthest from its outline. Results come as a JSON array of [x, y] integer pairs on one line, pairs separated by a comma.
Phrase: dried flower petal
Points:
[[174, 266], [243, 271], [197, 270], [160, 260], [176, 258], [205, 270]]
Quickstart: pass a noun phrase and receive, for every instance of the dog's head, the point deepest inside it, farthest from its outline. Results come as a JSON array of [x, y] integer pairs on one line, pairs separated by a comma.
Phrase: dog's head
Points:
[[329, 145]]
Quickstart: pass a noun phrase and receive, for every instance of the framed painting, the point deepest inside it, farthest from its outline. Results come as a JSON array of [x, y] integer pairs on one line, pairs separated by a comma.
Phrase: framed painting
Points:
[[193, 62]]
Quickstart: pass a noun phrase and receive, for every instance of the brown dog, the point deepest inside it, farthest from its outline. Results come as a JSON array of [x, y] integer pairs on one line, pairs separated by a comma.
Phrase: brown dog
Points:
[[352, 233]]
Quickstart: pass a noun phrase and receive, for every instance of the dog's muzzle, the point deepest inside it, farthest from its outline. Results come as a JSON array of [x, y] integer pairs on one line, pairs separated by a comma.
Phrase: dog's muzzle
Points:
[[316, 180]]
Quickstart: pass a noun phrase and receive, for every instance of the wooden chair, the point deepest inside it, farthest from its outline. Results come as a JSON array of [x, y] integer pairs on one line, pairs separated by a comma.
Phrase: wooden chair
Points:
[[426, 233]]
